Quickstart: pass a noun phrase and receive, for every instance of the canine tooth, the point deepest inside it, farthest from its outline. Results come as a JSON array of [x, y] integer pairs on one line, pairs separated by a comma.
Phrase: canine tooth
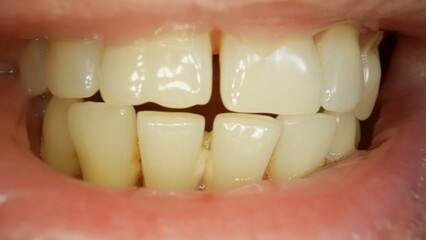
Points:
[[171, 146], [241, 148], [303, 146], [105, 139], [173, 70], [31, 64], [57, 148], [282, 78], [372, 74], [72, 67], [345, 139], [340, 58]]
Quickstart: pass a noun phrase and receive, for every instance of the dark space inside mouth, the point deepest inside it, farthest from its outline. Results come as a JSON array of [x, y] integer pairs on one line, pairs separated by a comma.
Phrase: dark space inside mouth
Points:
[[37, 105]]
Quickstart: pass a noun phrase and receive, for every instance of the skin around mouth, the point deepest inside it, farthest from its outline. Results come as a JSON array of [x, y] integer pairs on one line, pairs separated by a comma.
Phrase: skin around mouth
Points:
[[374, 194]]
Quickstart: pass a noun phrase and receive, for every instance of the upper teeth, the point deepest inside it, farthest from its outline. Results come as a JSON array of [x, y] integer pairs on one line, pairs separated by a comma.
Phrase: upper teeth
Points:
[[292, 77]]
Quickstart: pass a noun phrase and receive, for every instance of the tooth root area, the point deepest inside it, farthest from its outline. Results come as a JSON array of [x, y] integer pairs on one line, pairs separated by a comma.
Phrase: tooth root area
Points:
[[372, 75], [303, 145], [72, 67], [171, 149], [105, 139], [57, 148], [346, 138], [31, 64], [340, 57], [173, 70], [280, 78], [241, 148]]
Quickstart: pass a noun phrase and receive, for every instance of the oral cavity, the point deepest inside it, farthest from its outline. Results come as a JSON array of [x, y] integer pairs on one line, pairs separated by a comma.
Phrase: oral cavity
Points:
[[317, 89]]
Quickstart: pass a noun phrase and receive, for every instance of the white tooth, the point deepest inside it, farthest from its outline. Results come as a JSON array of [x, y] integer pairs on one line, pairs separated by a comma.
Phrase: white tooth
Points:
[[303, 146], [372, 75], [57, 148], [170, 146], [282, 78], [241, 148], [31, 67], [345, 138], [340, 58], [72, 67], [105, 139], [171, 69]]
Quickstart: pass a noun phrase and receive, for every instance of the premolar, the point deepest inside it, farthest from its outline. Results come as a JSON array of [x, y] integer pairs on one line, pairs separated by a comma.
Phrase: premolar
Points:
[[32, 64], [57, 148], [72, 67]]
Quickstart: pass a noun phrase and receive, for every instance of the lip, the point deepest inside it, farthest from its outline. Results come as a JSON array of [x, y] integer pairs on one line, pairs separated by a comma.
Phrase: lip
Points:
[[124, 20], [40, 202]]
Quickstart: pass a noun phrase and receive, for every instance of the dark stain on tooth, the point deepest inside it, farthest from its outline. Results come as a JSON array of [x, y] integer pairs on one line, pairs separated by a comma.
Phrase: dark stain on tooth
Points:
[[34, 121]]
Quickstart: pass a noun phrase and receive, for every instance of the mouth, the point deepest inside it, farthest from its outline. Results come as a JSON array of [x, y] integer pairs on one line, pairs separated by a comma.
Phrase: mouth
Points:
[[236, 151]]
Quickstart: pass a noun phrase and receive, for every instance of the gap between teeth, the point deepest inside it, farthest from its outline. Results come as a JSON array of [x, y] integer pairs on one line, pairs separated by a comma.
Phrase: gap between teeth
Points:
[[319, 90]]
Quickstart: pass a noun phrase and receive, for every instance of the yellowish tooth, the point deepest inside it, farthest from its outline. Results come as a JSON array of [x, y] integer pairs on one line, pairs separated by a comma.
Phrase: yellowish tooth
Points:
[[72, 67], [57, 148], [171, 146], [241, 148], [282, 78], [303, 145], [31, 67], [172, 69], [372, 75], [345, 139], [340, 56], [105, 139]]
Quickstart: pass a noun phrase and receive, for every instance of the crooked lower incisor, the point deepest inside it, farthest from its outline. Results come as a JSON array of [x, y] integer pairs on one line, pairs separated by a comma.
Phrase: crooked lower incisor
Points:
[[295, 78]]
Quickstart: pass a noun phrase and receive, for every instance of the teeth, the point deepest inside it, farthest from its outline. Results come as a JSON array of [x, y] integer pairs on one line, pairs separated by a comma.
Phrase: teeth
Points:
[[346, 138], [282, 78], [303, 145], [171, 147], [106, 143], [372, 75], [341, 63], [241, 148], [31, 66], [57, 149], [173, 70], [72, 68]]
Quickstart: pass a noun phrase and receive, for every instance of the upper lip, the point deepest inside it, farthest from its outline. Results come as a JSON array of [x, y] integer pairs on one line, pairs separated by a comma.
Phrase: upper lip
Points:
[[128, 19]]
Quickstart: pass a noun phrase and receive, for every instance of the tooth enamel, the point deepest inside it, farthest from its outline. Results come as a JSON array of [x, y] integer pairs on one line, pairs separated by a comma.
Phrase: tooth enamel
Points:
[[280, 78], [31, 67], [170, 146], [372, 75], [72, 68], [340, 56], [241, 148], [106, 143], [173, 70], [57, 148], [303, 146], [345, 139]]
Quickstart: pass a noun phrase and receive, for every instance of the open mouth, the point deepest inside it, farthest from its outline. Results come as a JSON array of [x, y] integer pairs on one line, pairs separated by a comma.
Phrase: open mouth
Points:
[[239, 153]]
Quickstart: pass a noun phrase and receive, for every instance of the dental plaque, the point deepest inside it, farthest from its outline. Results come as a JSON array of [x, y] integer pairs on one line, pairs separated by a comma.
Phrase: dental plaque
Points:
[[127, 115]]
